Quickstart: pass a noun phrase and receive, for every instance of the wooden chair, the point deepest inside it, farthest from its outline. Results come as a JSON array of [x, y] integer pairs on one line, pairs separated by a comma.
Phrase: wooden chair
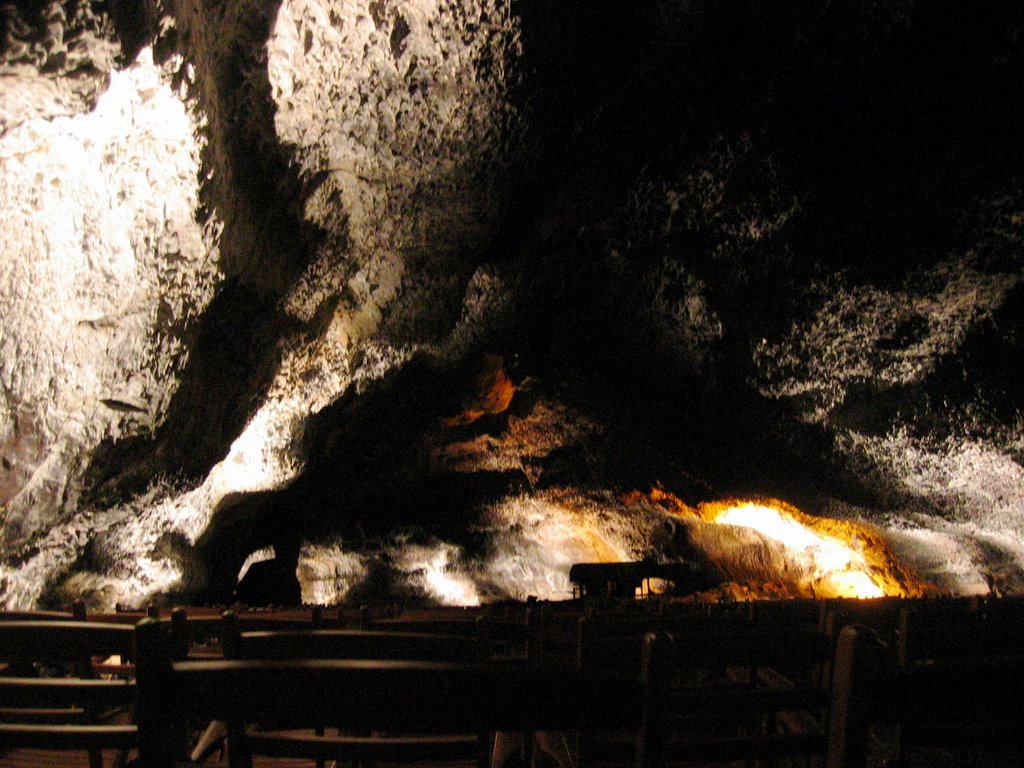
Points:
[[198, 634], [419, 697], [346, 644], [856, 674], [749, 694], [73, 710], [609, 649], [957, 685], [966, 709], [404, 645], [32, 616]]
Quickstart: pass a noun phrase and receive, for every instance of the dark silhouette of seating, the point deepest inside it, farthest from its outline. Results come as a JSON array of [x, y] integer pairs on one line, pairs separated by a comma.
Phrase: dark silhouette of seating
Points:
[[958, 680], [718, 696], [713, 682], [395, 696], [72, 710]]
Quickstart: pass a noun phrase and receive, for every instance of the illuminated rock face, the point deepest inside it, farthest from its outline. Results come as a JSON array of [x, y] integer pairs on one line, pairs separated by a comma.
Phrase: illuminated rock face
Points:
[[435, 284], [105, 267], [346, 171]]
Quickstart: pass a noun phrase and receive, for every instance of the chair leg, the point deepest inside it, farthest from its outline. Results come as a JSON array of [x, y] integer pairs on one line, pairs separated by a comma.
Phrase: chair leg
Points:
[[555, 744], [238, 754], [507, 744], [210, 741]]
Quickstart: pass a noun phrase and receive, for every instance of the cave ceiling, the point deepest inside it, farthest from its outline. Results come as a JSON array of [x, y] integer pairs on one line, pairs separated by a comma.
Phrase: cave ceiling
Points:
[[455, 293]]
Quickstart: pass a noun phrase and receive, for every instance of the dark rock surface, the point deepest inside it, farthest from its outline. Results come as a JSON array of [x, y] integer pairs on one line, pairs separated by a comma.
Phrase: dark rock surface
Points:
[[737, 249]]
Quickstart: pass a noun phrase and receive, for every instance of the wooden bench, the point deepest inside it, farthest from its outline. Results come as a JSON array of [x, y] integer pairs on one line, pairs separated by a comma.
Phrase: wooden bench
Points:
[[723, 695], [364, 645], [951, 687], [610, 648], [347, 644], [957, 684], [417, 697], [73, 710], [969, 708]]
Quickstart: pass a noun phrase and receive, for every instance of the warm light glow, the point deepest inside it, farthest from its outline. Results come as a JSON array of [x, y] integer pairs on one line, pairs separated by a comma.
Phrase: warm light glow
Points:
[[492, 392], [536, 539], [840, 567], [435, 569], [447, 589], [854, 584], [793, 553]]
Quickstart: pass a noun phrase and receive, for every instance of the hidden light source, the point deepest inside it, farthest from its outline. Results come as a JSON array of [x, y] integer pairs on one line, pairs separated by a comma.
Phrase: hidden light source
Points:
[[841, 567]]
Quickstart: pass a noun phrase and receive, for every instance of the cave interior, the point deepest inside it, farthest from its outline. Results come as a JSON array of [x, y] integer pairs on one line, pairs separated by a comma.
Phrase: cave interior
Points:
[[455, 294]]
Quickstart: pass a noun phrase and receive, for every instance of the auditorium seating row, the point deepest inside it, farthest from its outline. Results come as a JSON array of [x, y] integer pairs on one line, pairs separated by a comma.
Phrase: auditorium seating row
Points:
[[836, 684]]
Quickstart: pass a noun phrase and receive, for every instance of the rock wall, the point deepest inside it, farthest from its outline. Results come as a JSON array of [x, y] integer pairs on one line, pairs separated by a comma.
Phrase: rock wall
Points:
[[105, 267], [294, 169], [256, 251]]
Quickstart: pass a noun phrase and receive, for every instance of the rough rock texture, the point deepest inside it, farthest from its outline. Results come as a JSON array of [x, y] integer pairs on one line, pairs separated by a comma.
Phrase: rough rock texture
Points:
[[105, 267], [344, 146], [434, 285]]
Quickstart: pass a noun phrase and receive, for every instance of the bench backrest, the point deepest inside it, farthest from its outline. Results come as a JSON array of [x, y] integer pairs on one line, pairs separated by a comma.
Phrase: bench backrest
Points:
[[352, 644], [958, 678], [58, 713], [307, 643], [724, 686], [930, 636], [35, 616], [58, 641], [428, 697]]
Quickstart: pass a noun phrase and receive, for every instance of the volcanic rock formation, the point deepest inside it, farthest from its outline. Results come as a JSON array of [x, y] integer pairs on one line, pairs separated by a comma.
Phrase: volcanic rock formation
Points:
[[445, 288]]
